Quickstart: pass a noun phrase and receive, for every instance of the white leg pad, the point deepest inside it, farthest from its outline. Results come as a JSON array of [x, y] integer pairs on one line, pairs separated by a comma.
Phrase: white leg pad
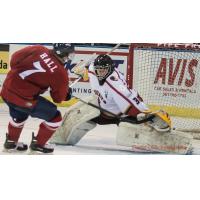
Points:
[[145, 138], [76, 123], [79, 131]]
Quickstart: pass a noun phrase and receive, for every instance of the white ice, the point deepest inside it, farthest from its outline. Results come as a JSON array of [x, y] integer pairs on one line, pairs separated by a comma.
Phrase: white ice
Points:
[[100, 140]]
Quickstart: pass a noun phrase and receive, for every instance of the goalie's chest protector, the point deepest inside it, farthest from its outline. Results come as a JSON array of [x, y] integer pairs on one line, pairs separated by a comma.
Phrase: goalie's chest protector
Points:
[[105, 96]]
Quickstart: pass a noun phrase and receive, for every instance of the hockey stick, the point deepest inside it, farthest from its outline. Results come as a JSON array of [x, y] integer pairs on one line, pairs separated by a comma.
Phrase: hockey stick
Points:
[[132, 120], [114, 48], [76, 81]]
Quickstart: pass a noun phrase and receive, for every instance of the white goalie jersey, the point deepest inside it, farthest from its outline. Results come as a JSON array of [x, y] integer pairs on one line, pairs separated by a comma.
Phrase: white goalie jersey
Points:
[[114, 95]]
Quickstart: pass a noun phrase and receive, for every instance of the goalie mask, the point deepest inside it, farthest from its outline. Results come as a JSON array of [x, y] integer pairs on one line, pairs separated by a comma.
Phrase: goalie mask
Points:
[[65, 51], [103, 66]]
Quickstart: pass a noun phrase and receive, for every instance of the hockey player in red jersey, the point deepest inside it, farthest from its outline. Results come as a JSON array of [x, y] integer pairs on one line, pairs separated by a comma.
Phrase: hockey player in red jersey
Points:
[[35, 69]]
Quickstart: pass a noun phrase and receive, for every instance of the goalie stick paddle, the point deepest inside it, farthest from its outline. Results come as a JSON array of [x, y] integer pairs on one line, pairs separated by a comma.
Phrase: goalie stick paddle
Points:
[[122, 119]]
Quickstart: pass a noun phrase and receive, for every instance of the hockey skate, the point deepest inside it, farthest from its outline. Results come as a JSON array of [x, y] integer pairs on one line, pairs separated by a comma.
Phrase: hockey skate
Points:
[[12, 146], [36, 148]]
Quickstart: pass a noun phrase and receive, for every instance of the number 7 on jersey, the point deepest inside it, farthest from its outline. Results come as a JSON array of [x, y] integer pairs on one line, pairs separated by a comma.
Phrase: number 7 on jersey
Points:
[[38, 68]]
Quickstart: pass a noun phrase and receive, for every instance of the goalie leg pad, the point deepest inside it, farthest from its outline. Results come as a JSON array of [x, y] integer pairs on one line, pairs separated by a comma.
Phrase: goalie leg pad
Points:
[[76, 123], [79, 131], [146, 138]]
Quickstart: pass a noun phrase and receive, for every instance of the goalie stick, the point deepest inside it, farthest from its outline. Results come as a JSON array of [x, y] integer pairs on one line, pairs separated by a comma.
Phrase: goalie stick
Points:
[[114, 48], [132, 120]]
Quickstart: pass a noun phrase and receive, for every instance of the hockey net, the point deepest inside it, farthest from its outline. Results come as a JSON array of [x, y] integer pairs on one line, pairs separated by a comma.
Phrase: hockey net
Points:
[[167, 76]]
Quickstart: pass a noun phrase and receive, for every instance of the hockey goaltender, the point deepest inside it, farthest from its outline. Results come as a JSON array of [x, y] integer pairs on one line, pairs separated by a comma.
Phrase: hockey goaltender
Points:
[[114, 103]]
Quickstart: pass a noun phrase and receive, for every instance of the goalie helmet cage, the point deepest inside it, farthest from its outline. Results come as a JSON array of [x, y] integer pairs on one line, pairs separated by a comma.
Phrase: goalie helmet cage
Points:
[[167, 76]]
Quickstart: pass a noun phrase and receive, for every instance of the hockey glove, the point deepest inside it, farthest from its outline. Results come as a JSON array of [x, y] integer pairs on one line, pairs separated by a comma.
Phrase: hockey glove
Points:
[[69, 94]]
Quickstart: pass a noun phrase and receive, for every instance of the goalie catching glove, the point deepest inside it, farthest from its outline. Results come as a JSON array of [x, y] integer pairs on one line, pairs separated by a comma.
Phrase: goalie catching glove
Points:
[[161, 121]]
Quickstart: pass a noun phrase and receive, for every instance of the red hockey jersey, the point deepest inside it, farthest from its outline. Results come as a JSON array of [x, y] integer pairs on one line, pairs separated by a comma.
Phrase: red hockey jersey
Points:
[[34, 69]]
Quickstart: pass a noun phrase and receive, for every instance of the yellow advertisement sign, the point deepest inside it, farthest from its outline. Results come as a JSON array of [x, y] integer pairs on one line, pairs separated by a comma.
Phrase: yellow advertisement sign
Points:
[[4, 58]]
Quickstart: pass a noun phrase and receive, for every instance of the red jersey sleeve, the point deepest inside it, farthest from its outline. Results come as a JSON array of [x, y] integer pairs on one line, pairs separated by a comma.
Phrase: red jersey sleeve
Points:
[[59, 85]]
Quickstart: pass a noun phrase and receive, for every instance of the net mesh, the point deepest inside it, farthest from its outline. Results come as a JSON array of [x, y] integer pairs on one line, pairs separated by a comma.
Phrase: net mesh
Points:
[[170, 79]]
